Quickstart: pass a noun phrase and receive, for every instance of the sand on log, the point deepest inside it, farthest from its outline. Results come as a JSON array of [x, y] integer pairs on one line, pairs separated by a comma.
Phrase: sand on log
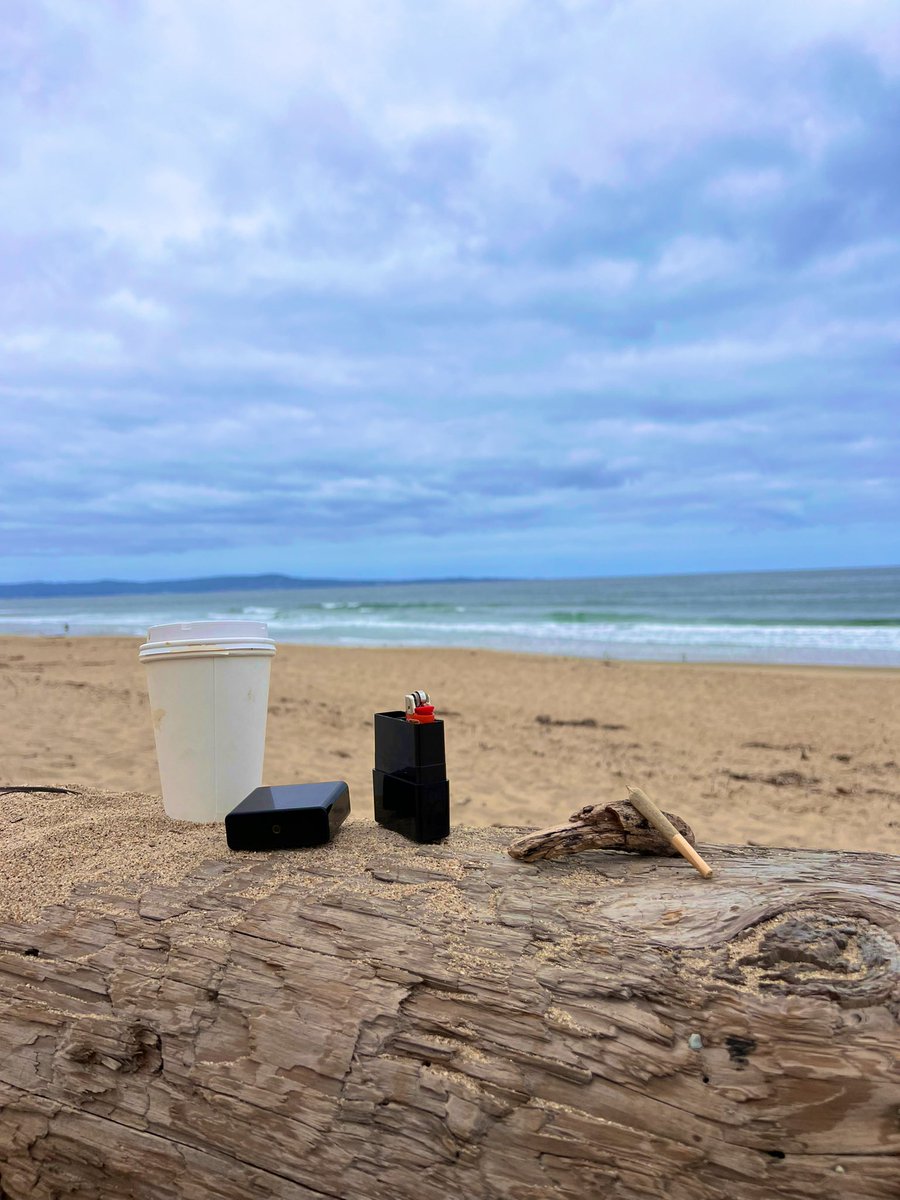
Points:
[[379, 1020]]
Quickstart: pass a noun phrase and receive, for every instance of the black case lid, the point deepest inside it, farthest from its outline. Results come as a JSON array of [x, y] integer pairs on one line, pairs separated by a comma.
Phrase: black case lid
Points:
[[403, 746]]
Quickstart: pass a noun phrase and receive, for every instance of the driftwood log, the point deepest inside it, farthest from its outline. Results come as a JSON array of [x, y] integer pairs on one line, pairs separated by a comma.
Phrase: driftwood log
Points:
[[394, 1022]]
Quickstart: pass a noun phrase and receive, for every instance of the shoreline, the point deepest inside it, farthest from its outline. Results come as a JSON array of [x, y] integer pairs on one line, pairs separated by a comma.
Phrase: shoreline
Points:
[[769, 754]]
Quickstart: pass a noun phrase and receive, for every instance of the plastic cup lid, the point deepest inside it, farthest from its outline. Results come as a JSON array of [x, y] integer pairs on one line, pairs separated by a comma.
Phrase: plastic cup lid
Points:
[[212, 631]]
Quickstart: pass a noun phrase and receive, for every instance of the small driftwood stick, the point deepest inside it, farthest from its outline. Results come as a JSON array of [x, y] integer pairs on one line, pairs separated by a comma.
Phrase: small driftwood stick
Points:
[[616, 826], [11, 791], [673, 836]]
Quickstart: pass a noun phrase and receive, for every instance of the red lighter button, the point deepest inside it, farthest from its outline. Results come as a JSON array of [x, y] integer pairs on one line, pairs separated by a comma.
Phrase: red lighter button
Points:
[[424, 714]]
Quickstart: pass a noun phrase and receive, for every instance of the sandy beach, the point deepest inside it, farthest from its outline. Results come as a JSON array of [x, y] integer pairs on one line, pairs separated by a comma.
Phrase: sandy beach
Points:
[[777, 756]]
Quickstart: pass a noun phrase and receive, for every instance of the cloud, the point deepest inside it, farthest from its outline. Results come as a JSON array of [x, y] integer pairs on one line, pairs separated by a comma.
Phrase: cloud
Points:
[[141, 308], [493, 276]]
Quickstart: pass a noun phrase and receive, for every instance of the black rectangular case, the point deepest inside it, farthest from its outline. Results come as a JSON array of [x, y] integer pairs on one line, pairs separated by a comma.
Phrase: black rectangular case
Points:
[[412, 792], [288, 818]]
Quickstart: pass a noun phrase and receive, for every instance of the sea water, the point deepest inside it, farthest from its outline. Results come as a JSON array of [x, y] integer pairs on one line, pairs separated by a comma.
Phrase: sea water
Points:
[[836, 617]]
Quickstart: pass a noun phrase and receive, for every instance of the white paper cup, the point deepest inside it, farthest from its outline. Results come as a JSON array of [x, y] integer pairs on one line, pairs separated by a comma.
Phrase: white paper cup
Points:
[[209, 695]]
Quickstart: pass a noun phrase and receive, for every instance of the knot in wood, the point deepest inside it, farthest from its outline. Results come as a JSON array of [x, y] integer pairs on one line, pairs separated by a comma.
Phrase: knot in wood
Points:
[[844, 957], [120, 1046]]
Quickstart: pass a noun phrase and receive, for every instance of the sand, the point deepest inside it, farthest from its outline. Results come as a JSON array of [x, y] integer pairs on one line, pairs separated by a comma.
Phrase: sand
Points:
[[107, 848], [773, 756]]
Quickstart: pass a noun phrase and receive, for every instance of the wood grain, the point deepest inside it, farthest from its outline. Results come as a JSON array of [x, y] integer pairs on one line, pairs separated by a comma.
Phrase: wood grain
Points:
[[399, 1022]]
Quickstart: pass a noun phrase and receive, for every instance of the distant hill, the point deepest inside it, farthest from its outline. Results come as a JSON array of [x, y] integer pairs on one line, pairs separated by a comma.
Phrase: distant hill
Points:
[[213, 583], [126, 587]]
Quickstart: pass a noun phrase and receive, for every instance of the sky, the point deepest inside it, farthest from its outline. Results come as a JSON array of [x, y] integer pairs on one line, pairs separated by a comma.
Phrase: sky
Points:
[[387, 289]]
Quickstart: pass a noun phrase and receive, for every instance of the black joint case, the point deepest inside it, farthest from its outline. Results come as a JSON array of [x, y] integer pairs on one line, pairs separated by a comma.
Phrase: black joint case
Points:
[[412, 792]]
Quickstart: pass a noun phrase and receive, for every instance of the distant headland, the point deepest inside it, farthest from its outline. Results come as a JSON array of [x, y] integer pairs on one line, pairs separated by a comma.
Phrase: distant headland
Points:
[[212, 583]]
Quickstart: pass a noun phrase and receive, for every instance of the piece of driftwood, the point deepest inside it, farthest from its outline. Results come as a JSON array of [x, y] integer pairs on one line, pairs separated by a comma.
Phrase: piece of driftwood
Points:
[[380, 1021], [7, 791], [617, 826]]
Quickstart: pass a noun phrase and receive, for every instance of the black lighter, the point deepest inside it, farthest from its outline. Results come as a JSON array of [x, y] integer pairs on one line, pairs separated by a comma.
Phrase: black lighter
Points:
[[412, 792]]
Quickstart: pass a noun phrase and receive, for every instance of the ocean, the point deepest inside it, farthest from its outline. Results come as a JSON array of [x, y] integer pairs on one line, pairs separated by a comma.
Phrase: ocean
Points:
[[831, 617]]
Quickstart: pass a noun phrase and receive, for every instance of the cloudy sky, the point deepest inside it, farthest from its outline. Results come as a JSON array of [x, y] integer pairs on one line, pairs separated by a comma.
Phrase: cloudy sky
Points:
[[388, 288]]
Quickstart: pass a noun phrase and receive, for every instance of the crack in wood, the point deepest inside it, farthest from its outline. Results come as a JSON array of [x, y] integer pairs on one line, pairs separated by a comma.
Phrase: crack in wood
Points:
[[169, 1141]]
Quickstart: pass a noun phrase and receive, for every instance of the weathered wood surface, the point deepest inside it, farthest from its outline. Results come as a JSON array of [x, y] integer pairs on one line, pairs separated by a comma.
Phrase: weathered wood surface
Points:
[[402, 1022]]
